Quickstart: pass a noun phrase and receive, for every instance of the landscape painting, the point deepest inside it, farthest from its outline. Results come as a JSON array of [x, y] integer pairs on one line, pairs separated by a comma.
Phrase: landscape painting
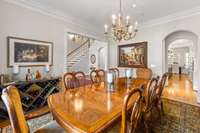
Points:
[[133, 55], [29, 52]]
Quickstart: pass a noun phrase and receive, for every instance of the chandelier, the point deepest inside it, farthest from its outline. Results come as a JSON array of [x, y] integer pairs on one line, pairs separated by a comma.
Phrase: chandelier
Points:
[[121, 29]]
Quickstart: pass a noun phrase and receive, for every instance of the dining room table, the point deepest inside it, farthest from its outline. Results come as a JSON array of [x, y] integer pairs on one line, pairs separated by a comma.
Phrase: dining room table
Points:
[[92, 108]]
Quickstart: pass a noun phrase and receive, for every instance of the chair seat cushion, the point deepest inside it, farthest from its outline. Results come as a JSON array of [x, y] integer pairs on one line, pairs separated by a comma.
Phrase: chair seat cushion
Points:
[[51, 127]]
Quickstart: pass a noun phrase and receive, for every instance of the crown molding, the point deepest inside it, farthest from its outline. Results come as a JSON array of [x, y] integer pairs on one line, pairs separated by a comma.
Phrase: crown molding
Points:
[[35, 6], [171, 18]]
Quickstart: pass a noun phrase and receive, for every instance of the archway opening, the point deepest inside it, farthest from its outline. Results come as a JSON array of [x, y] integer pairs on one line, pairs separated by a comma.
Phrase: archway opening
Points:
[[181, 52], [180, 57]]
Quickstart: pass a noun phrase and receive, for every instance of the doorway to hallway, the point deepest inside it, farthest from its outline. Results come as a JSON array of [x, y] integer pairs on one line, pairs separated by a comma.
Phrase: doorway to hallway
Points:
[[181, 55]]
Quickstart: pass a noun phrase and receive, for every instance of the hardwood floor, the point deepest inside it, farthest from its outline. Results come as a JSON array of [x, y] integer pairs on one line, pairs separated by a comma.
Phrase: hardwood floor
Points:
[[180, 89]]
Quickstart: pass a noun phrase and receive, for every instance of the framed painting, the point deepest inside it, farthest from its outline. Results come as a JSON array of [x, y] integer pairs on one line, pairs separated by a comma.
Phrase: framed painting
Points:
[[26, 52], [133, 55]]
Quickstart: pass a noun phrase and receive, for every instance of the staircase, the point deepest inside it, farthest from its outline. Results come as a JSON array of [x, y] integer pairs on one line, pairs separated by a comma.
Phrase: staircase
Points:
[[77, 58]]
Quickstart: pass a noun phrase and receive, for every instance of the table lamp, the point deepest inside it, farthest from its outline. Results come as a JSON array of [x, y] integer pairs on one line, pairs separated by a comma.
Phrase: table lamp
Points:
[[15, 72], [47, 70]]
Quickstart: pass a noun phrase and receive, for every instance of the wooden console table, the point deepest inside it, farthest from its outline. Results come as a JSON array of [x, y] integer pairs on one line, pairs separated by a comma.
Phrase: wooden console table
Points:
[[34, 96]]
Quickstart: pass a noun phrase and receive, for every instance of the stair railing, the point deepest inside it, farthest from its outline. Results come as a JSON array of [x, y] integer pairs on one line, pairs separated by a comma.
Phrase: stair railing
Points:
[[79, 50]]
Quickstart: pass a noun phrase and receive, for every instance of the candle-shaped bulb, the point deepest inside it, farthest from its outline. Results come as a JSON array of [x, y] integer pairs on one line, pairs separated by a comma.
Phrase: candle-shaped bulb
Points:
[[127, 20], [113, 19], [136, 24], [134, 5], [106, 28], [71, 36], [113, 16], [130, 29]]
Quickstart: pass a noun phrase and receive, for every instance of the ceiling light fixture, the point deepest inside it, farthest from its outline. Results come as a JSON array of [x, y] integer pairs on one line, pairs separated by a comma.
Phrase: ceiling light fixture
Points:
[[75, 37], [121, 29], [134, 5]]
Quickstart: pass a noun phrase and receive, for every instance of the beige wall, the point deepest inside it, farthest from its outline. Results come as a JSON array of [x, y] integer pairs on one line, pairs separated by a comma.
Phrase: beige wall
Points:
[[21, 22]]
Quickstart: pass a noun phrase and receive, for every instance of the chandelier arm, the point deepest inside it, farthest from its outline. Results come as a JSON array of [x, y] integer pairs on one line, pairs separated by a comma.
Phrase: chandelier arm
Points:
[[134, 34]]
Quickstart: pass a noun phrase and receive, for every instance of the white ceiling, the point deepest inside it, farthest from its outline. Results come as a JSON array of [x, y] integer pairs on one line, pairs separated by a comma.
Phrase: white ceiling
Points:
[[98, 12]]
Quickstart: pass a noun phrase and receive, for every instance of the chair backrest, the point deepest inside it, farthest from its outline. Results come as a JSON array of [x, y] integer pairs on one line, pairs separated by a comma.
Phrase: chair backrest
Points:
[[136, 111], [94, 76], [144, 73], [162, 85], [150, 93], [97, 76], [101, 74], [69, 80], [11, 99], [80, 77]]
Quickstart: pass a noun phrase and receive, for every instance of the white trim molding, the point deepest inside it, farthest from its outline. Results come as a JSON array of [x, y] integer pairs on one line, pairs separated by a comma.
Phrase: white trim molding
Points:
[[171, 17], [36, 6]]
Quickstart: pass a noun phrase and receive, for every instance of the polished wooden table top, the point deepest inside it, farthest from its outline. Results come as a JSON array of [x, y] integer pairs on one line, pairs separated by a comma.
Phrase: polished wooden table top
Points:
[[91, 108]]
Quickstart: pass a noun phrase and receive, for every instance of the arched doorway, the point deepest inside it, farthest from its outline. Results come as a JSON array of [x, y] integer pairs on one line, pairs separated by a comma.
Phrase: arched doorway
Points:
[[180, 57], [181, 53]]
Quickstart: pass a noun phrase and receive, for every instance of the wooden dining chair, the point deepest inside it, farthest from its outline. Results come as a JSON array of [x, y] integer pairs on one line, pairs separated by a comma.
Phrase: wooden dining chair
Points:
[[12, 101], [144, 73], [130, 122], [158, 102], [101, 74], [94, 76], [149, 98], [69, 81], [80, 78]]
